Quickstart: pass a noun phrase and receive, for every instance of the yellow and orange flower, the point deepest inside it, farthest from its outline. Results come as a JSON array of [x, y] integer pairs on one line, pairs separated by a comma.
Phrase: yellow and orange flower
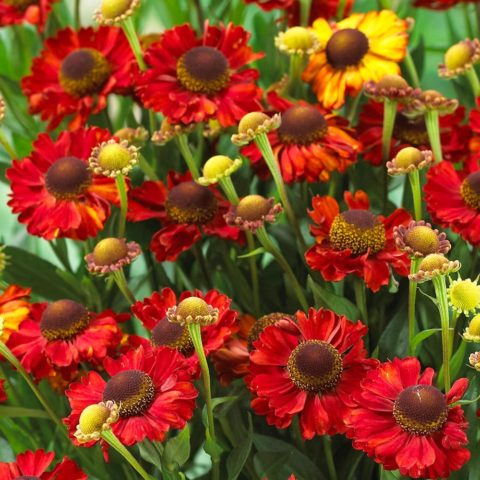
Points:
[[14, 308], [362, 47]]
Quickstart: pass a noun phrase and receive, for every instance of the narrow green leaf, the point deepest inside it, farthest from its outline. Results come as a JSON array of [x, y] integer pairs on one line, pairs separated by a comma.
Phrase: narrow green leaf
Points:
[[239, 455], [150, 454], [420, 337], [12, 412], [253, 253], [177, 449]]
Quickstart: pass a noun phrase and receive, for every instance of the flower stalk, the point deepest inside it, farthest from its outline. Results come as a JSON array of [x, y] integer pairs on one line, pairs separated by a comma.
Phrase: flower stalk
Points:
[[122, 193], [182, 142], [129, 30], [412, 296], [474, 81], [433, 130], [389, 113], [121, 281], [414, 178]]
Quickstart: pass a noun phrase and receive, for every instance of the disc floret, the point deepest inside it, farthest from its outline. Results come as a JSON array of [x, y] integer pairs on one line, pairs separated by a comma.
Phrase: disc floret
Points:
[[193, 310], [408, 160], [218, 167], [113, 158], [112, 12], [95, 419], [432, 266], [254, 124]]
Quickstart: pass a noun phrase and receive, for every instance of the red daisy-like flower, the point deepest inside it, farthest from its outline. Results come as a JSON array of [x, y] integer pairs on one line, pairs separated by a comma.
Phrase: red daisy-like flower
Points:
[[310, 367], [33, 465], [440, 4], [411, 132], [182, 207], [55, 193], [75, 73], [453, 198], [405, 423], [13, 12], [309, 144], [14, 308], [60, 335], [152, 313], [152, 387], [194, 79], [355, 241]]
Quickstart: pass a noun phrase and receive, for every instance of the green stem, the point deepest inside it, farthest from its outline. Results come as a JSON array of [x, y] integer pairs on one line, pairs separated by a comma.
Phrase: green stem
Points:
[[474, 82], [327, 445], [305, 12], [441, 294], [340, 9], [122, 193], [389, 114], [411, 69], [352, 108], [412, 295], [361, 298], [433, 129], [147, 168], [468, 22], [6, 145], [455, 316], [196, 336], [115, 443], [129, 29], [296, 67], [414, 178], [264, 146], [229, 189], [267, 244], [76, 14], [121, 282], [182, 142]]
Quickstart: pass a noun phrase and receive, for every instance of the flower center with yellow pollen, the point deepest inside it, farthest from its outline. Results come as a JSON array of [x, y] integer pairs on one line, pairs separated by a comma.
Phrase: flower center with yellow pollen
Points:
[[216, 166], [253, 207], [193, 307], [474, 326], [132, 390], [411, 131], [21, 5], [67, 178], [63, 319], [420, 409], [408, 156], [470, 190], [112, 9], [252, 121], [422, 239], [434, 261], [203, 70], [84, 72], [458, 56], [189, 202], [464, 295], [92, 418], [359, 231], [172, 335], [261, 324], [298, 38], [302, 125], [346, 48], [315, 366], [109, 251], [114, 156]]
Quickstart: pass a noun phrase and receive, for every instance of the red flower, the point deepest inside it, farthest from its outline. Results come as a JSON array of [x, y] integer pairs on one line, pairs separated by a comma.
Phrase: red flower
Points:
[[31, 11], [194, 79], [440, 4], [311, 369], [14, 308], [152, 313], [453, 198], [355, 241], [152, 387], [34, 465], [62, 334], [54, 191], [405, 423], [411, 132], [309, 144], [181, 207], [75, 73]]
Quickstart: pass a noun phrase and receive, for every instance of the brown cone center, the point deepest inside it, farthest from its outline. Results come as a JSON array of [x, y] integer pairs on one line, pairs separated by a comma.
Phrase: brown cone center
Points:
[[302, 125], [63, 319], [253, 207], [67, 178], [411, 131], [470, 190], [172, 335], [346, 47]]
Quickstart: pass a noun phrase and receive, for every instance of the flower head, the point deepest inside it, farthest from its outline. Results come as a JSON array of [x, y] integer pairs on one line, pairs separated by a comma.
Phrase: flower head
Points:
[[474, 360], [419, 239], [218, 167], [112, 254], [95, 419], [253, 124], [406, 423], [459, 58], [431, 100], [133, 136], [297, 41], [35, 12], [391, 87], [432, 266], [169, 131], [464, 295], [193, 310], [408, 160], [472, 332], [14, 309], [115, 11], [112, 158]]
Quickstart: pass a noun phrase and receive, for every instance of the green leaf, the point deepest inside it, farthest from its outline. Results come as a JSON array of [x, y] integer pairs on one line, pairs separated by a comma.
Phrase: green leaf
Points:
[[456, 362], [340, 305], [150, 454], [213, 448], [177, 449], [239, 455], [215, 403], [420, 337], [13, 412], [253, 253]]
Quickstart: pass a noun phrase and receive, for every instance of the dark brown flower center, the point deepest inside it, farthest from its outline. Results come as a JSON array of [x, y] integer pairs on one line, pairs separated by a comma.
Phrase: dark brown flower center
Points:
[[203, 70], [470, 190], [132, 390], [346, 47], [261, 324], [253, 207], [21, 5], [420, 409], [67, 178], [411, 131], [63, 319], [189, 202], [302, 125], [84, 72], [359, 231], [315, 366], [172, 335]]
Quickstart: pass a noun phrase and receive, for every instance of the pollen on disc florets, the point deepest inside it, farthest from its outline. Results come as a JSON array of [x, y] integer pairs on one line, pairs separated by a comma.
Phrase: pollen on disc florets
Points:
[[173, 335], [434, 265], [95, 419], [67, 178], [315, 366], [297, 41], [132, 390], [409, 159], [84, 72], [261, 324], [359, 231], [472, 332], [460, 58], [111, 254], [421, 409], [464, 296], [470, 190], [189, 202], [218, 167], [113, 158], [391, 87], [115, 11], [63, 319], [193, 310], [254, 124]]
